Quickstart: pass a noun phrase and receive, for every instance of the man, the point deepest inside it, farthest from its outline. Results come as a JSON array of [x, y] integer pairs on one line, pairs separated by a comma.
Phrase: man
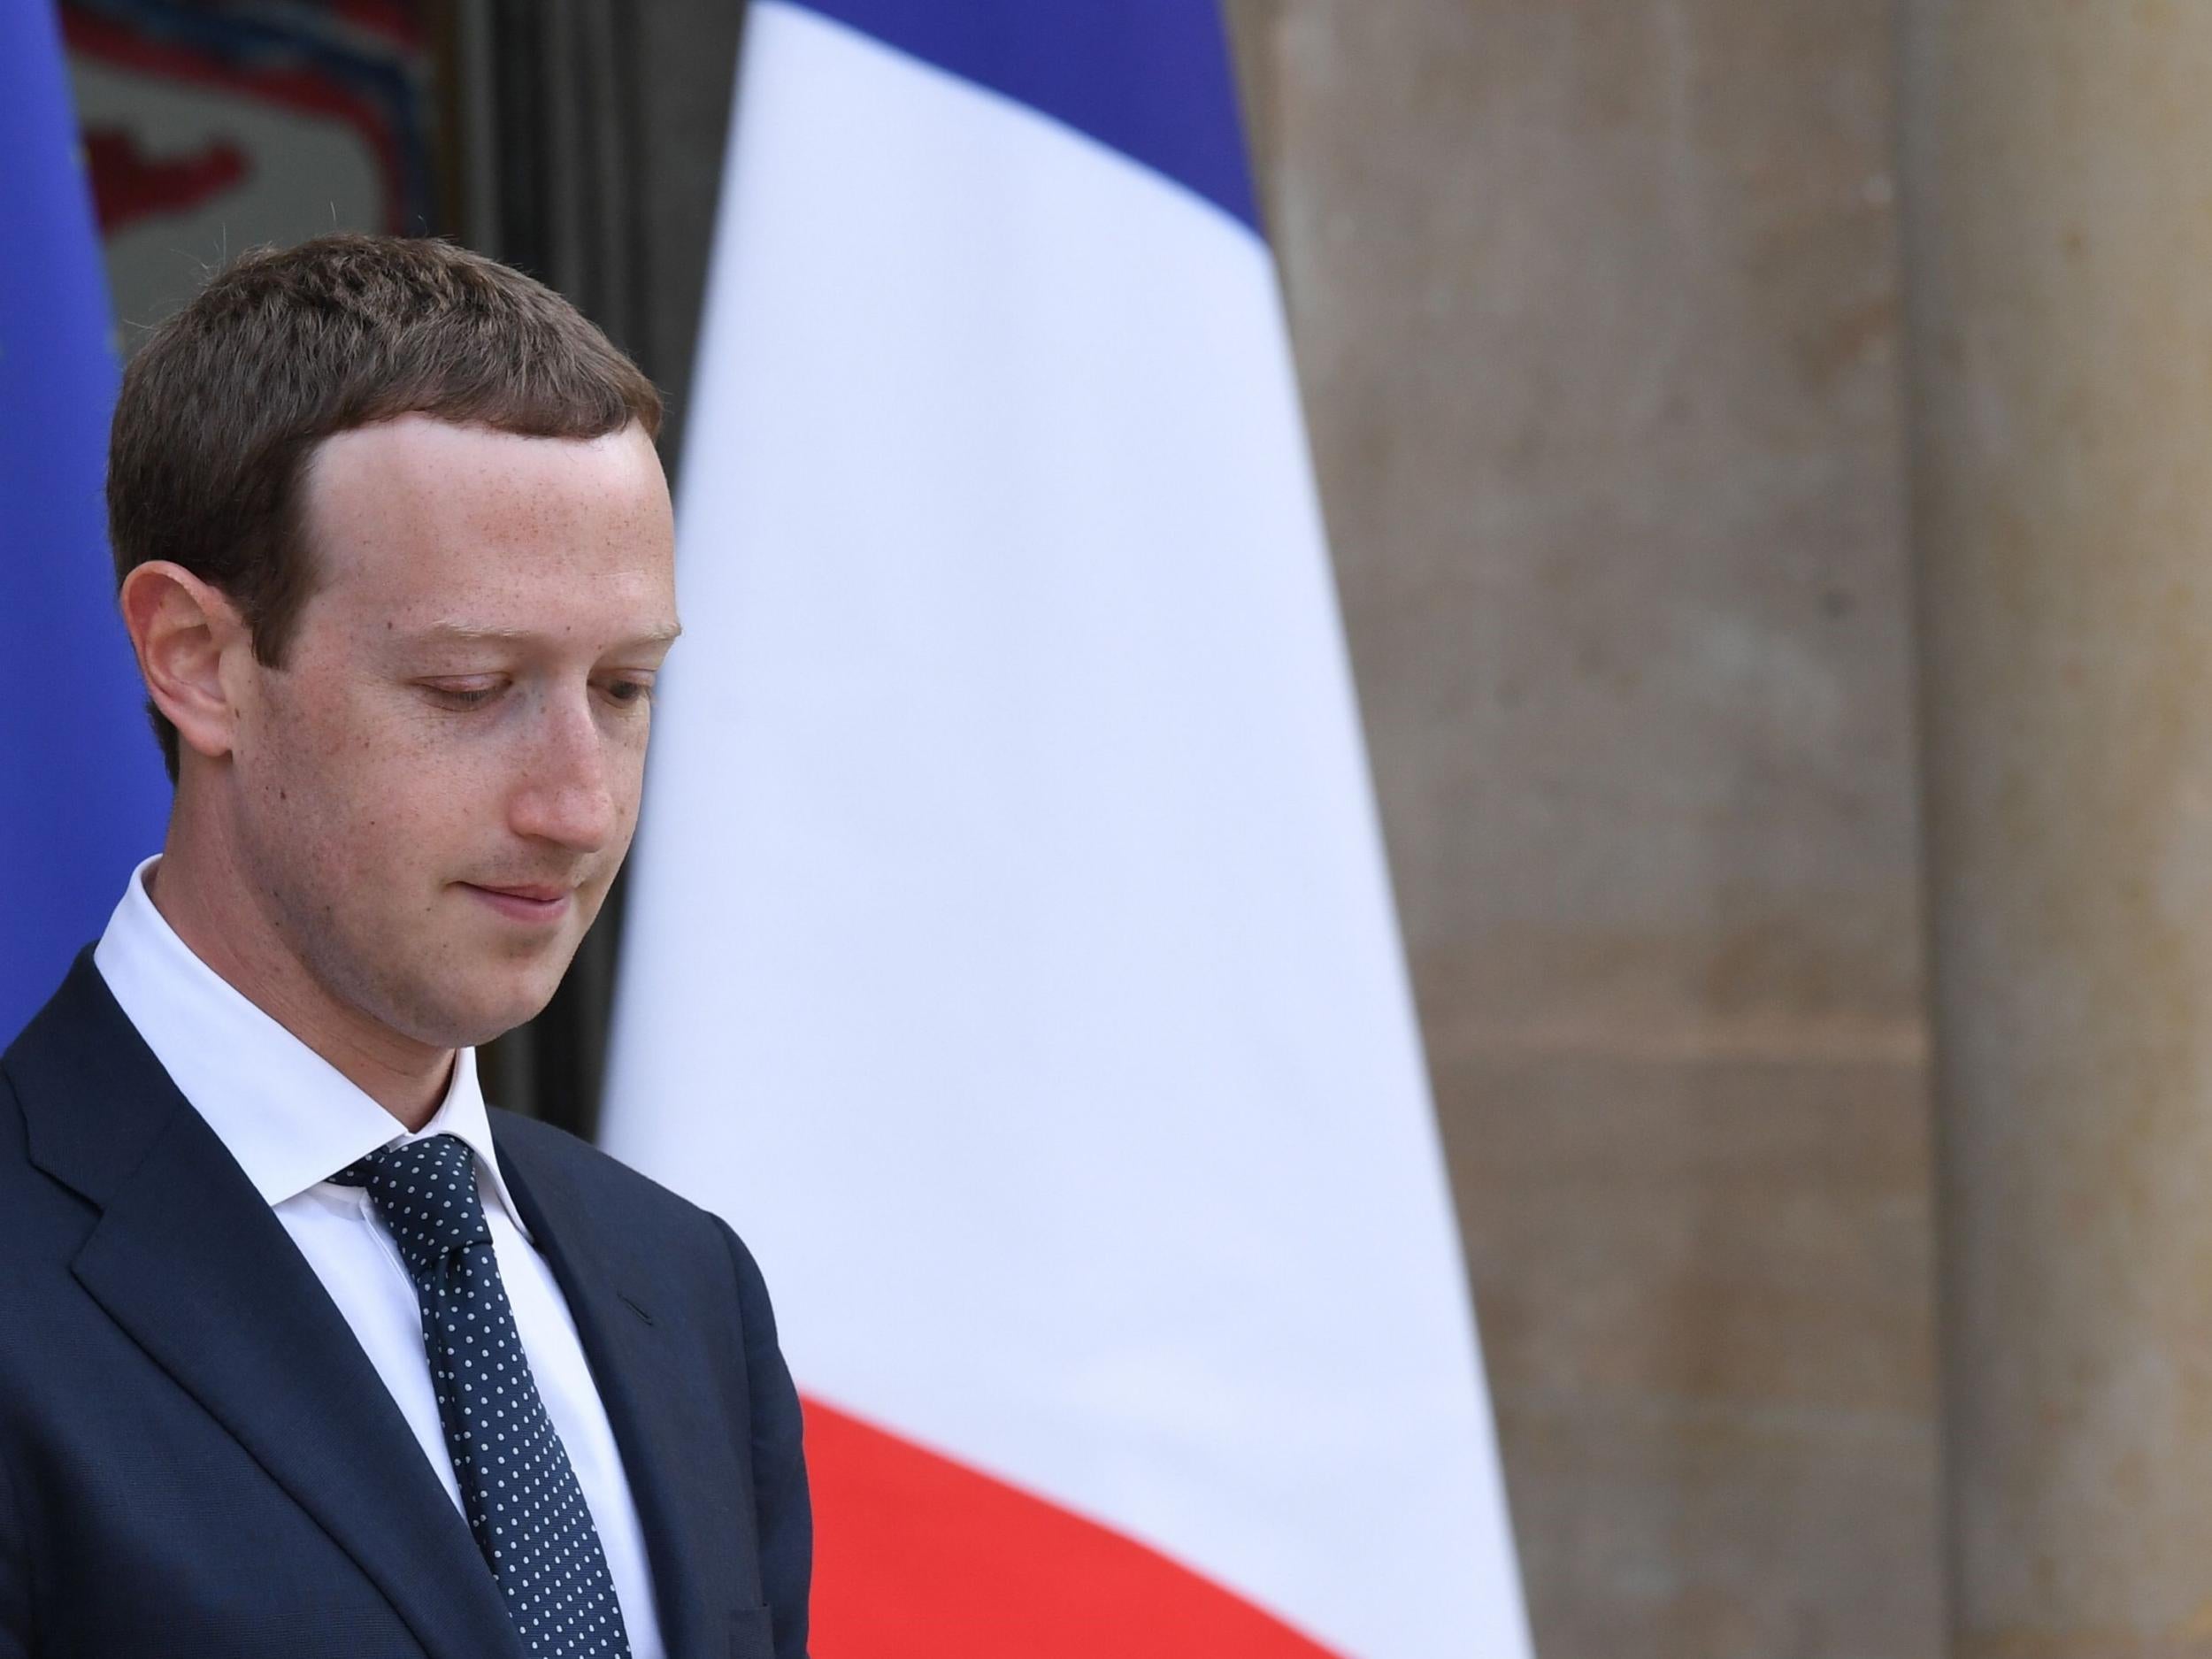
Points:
[[303, 1351]]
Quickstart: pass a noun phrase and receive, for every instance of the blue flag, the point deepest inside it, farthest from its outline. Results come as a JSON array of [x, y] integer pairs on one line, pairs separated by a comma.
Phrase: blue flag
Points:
[[82, 797]]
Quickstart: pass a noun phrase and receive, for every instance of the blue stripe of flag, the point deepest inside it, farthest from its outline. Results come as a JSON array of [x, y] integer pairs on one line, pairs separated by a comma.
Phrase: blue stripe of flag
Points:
[[82, 796], [1150, 77]]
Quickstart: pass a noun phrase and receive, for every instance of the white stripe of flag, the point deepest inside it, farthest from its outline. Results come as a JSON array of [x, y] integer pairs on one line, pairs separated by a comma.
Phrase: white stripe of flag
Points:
[[1009, 953]]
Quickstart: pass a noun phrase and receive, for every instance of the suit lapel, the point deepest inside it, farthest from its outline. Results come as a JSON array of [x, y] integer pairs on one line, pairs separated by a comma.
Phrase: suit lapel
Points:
[[196, 1269], [632, 1364]]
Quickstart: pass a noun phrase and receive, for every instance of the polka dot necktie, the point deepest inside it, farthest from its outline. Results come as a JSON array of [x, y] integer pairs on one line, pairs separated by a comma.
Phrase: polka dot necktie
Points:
[[520, 1492]]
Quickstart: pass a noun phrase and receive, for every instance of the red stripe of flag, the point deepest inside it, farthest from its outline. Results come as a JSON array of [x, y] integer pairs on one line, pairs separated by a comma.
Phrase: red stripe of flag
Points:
[[917, 1556]]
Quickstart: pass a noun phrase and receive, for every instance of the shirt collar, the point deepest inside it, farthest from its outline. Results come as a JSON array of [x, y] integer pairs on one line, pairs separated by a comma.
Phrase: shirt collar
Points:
[[288, 1116]]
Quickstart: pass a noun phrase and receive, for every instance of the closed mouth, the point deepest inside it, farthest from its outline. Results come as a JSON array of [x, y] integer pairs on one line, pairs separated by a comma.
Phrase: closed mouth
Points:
[[527, 903]]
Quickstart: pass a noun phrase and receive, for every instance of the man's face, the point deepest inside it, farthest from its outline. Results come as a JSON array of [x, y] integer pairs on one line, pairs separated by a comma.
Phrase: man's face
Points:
[[436, 788]]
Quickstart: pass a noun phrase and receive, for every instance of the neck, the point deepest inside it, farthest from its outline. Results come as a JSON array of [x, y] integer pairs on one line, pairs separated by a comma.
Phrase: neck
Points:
[[206, 898]]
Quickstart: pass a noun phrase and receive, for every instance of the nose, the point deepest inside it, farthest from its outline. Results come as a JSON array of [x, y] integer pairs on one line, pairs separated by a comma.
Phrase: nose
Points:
[[566, 792]]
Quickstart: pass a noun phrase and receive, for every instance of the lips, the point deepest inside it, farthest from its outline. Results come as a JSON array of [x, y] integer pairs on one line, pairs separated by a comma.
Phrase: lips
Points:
[[544, 895], [532, 902]]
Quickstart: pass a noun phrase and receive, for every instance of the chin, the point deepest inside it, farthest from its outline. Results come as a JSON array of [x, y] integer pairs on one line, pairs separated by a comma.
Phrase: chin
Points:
[[497, 1022], [468, 1016]]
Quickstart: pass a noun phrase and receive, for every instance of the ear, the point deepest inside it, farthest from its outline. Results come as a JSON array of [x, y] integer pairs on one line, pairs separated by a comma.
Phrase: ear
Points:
[[181, 629]]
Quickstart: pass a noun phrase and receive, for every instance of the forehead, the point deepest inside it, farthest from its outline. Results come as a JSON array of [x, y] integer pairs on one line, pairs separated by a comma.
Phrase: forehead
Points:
[[417, 519]]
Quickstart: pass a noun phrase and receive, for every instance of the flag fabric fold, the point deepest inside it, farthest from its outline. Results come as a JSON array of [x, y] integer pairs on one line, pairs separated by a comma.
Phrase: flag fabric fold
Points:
[[1009, 953], [82, 798]]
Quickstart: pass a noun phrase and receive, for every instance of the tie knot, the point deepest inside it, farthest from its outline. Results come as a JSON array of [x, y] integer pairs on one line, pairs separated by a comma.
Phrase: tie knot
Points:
[[425, 1192]]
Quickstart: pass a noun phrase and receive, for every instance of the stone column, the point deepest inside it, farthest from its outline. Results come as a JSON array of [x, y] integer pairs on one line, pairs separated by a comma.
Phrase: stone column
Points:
[[2057, 175]]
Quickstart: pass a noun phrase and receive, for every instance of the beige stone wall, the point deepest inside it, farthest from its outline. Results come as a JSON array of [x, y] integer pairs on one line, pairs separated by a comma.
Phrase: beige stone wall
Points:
[[1596, 314], [2061, 327]]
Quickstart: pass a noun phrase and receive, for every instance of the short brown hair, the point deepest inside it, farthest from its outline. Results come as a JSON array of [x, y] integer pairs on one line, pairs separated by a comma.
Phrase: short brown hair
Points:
[[226, 401]]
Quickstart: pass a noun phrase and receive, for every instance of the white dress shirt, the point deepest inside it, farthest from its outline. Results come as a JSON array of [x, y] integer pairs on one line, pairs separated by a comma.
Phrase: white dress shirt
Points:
[[291, 1120]]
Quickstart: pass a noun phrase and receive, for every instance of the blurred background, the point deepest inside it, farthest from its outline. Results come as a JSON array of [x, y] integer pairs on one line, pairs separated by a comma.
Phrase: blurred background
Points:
[[1597, 317]]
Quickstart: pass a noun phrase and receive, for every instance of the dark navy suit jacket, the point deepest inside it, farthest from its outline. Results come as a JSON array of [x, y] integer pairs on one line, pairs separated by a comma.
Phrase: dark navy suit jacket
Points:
[[197, 1459]]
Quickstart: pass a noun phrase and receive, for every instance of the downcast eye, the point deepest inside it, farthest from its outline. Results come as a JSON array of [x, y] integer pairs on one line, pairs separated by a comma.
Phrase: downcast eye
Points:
[[461, 698]]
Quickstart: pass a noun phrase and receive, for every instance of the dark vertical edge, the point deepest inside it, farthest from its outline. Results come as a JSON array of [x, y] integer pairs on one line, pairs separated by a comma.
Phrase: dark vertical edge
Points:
[[449, 161]]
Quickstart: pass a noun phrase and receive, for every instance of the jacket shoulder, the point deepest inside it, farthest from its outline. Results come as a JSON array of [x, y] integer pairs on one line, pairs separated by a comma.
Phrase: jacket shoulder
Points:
[[600, 1177]]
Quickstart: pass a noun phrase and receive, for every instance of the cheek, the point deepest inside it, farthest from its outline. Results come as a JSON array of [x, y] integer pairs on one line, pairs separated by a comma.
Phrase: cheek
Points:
[[627, 770], [625, 782], [353, 775], [290, 764]]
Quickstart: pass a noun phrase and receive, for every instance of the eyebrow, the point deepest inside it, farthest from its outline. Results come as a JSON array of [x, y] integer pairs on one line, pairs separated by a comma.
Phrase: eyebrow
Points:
[[470, 634]]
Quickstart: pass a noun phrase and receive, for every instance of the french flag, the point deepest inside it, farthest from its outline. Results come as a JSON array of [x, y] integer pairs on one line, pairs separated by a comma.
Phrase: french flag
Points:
[[1009, 953]]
